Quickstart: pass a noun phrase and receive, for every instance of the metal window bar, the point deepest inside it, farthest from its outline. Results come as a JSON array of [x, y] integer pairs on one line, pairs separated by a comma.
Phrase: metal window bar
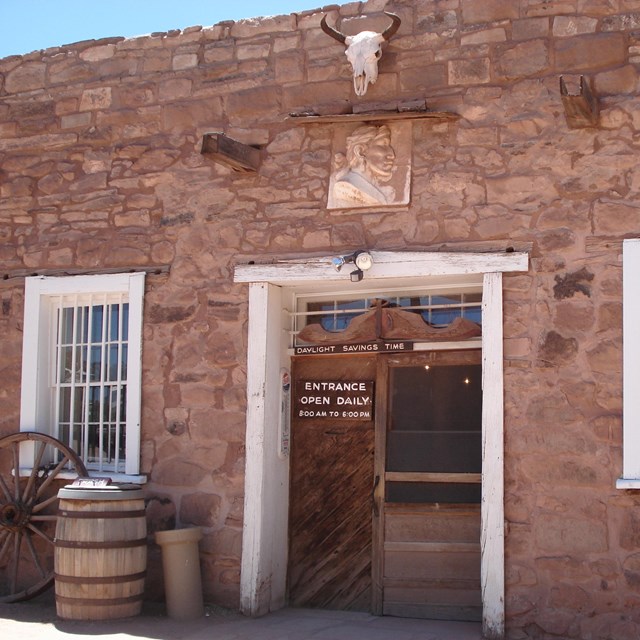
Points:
[[422, 307], [57, 364], [86, 376], [103, 371], [72, 375], [118, 364]]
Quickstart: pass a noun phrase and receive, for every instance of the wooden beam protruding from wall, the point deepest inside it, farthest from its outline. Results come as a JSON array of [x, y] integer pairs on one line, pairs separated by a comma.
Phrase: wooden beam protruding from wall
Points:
[[231, 153], [581, 110]]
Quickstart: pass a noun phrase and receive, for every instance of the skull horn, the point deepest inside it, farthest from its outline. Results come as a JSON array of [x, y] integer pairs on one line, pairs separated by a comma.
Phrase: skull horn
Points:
[[330, 31], [393, 27]]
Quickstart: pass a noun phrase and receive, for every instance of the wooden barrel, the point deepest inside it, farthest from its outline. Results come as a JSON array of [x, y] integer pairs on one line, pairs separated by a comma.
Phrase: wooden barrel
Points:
[[100, 556]]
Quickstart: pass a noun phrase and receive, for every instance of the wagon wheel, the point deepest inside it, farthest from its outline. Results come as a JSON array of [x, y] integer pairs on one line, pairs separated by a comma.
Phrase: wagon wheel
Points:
[[28, 507]]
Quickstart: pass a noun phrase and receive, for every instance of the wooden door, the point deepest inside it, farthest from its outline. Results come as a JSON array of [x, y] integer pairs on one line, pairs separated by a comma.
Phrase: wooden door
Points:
[[330, 494], [428, 472]]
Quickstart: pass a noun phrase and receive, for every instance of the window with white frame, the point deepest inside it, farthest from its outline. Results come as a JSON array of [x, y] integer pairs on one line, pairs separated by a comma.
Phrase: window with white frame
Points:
[[81, 369], [438, 306], [631, 357]]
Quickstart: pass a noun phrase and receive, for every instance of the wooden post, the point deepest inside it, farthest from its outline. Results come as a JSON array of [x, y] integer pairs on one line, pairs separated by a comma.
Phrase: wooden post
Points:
[[580, 110], [492, 536]]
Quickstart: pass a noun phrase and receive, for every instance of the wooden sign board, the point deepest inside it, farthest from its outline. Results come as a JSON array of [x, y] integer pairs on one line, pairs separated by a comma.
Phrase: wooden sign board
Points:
[[379, 346], [334, 399]]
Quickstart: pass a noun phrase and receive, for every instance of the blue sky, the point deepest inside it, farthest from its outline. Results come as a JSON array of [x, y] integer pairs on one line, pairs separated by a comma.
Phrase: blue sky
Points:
[[29, 25]]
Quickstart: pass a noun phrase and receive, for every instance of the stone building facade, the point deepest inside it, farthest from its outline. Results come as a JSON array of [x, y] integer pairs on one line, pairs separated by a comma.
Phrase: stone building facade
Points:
[[102, 172]]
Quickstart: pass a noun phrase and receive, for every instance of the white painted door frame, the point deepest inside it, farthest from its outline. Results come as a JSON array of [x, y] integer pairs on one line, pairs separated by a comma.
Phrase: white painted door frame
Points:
[[265, 533]]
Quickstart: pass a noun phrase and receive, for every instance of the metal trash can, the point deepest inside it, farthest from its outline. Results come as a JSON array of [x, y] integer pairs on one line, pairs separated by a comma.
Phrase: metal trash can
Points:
[[181, 569], [100, 556]]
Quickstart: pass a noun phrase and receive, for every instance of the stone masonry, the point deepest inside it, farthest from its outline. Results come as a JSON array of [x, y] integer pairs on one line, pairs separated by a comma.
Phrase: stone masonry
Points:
[[101, 169]]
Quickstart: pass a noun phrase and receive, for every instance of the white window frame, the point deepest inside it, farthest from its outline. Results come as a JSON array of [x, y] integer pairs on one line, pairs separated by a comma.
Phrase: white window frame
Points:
[[630, 370], [37, 349]]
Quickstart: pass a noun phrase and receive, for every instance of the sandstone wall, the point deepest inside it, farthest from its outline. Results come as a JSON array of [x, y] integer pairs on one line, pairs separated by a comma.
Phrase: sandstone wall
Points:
[[100, 168]]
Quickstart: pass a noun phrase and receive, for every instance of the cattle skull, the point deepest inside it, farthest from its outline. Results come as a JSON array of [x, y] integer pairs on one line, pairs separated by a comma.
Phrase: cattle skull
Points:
[[363, 51]]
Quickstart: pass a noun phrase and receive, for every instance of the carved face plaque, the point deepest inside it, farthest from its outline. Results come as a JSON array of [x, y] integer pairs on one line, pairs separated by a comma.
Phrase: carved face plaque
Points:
[[371, 166]]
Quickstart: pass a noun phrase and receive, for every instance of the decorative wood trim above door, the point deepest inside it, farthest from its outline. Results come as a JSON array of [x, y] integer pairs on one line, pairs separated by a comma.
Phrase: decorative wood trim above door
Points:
[[383, 322]]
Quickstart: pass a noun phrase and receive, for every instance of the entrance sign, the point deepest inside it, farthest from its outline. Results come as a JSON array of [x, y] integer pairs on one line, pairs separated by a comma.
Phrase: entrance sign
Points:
[[334, 399], [379, 346]]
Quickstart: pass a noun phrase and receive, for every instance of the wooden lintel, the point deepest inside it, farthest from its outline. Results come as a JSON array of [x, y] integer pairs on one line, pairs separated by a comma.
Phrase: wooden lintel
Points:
[[386, 264], [378, 116], [152, 270], [581, 110], [231, 153]]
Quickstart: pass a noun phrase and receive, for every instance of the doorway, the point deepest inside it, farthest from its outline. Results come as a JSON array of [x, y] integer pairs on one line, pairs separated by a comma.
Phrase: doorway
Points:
[[271, 291], [385, 507]]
